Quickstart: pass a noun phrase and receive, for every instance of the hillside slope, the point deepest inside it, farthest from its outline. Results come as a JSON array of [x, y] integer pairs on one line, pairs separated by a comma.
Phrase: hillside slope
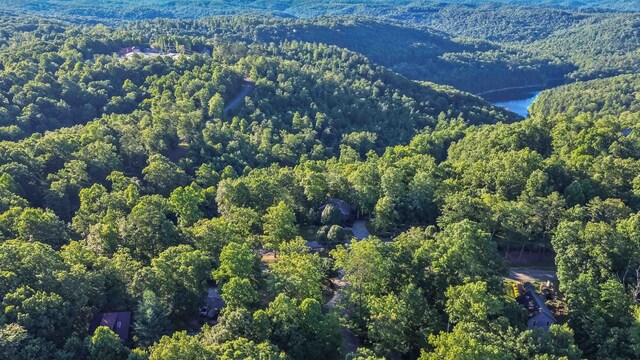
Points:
[[611, 96]]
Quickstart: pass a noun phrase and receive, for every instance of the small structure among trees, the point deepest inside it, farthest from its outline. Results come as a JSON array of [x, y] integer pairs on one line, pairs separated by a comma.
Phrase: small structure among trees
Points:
[[538, 314], [336, 211], [118, 322], [129, 50]]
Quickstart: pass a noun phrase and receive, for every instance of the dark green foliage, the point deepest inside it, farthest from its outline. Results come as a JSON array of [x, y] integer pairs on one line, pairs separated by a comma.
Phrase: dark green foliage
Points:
[[178, 277], [331, 215], [321, 234], [151, 320], [611, 96], [34, 225], [336, 234], [129, 184], [105, 344], [239, 292]]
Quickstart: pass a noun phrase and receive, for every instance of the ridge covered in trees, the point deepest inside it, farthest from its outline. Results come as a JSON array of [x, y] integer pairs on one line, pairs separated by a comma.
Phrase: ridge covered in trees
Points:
[[522, 44], [149, 9], [611, 96]]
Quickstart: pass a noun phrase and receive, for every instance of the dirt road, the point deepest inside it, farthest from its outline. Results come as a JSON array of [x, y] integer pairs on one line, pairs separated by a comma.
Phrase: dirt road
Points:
[[533, 274], [247, 88]]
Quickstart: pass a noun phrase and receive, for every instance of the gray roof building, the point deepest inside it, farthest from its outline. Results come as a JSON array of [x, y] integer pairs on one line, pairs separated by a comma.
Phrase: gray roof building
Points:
[[347, 213], [538, 314]]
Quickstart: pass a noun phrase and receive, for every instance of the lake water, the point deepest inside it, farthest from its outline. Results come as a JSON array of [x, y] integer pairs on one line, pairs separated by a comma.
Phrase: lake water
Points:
[[515, 100]]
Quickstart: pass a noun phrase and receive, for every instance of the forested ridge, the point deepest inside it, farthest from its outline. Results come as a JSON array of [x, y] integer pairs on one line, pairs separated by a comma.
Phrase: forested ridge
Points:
[[611, 96], [527, 44], [134, 178], [148, 9]]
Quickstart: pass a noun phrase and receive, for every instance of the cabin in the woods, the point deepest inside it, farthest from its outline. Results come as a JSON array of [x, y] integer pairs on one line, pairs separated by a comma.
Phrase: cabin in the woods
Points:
[[118, 322], [129, 50], [347, 213], [538, 314]]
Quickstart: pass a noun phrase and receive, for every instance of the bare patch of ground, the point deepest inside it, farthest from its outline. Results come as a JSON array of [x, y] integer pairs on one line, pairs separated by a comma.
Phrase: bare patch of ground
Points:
[[531, 274]]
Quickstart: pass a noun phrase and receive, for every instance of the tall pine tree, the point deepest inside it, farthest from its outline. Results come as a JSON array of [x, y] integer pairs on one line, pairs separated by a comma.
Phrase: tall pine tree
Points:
[[151, 320]]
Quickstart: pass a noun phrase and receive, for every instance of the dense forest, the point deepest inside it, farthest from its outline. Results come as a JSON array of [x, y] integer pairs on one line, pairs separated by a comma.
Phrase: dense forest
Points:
[[610, 96], [148, 9], [418, 53], [150, 166], [450, 44]]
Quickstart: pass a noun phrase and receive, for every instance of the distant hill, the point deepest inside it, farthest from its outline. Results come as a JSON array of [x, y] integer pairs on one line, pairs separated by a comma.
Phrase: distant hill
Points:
[[417, 52], [36, 101], [149, 9], [601, 46], [475, 47], [625, 5]]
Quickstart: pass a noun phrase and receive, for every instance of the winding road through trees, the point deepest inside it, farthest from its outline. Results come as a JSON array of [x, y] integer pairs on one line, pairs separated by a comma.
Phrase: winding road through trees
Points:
[[247, 88]]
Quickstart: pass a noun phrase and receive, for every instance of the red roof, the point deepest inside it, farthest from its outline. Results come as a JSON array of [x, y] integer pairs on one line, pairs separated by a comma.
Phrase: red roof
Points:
[[118, 322], [129, 50]]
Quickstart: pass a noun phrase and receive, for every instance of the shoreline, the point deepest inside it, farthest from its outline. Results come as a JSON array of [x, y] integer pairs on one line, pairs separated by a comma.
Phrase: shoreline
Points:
[[543, 86], [510, 88]]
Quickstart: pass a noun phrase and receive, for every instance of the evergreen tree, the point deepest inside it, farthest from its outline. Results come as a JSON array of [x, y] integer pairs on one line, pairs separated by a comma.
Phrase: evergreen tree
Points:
[[151, 320]]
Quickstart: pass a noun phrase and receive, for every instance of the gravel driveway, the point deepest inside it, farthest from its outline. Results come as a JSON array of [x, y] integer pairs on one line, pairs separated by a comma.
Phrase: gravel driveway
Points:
[[360, 230], [532, 274]]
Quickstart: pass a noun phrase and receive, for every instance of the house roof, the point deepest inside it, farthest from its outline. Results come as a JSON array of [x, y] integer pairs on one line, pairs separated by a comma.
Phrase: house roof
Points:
[[533, 302], [127, 50], [214, 299], [118, 322], [344, 208]]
